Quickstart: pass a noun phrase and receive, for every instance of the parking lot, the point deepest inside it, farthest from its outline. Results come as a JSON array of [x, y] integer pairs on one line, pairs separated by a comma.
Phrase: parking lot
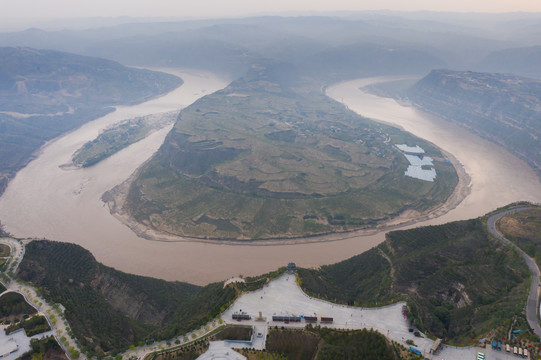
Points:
[[283, 296]]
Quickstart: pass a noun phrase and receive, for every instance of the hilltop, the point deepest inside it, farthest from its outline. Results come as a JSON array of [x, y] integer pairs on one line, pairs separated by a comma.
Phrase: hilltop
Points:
[[524, 229], [271, 156], [459, 283], [45, 93]]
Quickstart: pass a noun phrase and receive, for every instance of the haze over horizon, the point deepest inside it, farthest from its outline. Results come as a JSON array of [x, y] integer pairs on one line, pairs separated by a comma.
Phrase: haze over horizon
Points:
[[29, 10]]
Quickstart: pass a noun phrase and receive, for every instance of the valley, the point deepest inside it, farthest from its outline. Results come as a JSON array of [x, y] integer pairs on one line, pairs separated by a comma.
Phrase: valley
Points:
[[310, 184], [489, 169], [443, 296]]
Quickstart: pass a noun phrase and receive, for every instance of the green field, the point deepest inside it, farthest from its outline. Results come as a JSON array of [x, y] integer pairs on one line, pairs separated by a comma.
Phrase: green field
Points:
[[316, 343], [13, 306], [234, 332], [262, 159]]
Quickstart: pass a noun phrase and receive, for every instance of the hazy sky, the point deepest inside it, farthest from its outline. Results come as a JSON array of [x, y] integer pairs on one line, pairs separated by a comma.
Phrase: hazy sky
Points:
[[216, 8]]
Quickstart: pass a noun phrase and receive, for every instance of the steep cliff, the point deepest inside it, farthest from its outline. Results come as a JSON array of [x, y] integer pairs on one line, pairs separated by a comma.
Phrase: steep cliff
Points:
[[503, 108]]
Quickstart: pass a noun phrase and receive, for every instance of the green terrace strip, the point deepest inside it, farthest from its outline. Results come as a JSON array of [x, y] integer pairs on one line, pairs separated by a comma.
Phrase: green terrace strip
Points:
[[271, 156], [183, 348]]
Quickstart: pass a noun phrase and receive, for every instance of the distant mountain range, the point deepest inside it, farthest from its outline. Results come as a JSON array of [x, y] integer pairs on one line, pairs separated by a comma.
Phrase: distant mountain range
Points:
[[525, 61], [503, 108], [366, 59], [45, 93], [364, 44]]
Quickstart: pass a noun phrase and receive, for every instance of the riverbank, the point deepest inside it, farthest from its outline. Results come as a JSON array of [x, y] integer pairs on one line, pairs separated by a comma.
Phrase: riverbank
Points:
[[80, 216], [116, 198]]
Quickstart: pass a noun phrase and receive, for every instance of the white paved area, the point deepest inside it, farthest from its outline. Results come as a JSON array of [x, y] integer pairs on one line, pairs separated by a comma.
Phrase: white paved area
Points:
[[411, 149], [418, 161], [17, 342], [219, 350], [258, 342], [284, 297], [470, 353], [418, 172]]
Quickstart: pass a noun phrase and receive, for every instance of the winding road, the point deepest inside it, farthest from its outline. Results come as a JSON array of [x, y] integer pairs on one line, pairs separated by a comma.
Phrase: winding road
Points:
[[533, 296], [57, 322]]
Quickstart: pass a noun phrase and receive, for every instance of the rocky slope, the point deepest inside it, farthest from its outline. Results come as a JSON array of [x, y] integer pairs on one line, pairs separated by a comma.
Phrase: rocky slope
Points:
[[503, 108]]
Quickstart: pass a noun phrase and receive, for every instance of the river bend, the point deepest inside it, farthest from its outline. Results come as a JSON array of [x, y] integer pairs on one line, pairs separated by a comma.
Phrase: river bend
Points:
[[45, 201]]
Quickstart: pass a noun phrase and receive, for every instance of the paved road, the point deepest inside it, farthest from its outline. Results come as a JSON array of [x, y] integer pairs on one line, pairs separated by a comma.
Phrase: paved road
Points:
[[59, 325], [533, 297]]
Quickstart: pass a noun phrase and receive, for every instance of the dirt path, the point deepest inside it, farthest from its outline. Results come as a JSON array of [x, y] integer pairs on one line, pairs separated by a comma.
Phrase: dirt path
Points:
[[382, 253]]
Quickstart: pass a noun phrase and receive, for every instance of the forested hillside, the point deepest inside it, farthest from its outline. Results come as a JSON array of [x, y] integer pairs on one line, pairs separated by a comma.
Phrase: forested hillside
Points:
[[459, 282], [109, 310], [524, 229]]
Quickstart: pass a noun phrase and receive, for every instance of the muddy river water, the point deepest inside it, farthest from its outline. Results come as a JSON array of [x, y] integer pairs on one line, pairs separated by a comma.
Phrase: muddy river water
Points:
[[46, 201]]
